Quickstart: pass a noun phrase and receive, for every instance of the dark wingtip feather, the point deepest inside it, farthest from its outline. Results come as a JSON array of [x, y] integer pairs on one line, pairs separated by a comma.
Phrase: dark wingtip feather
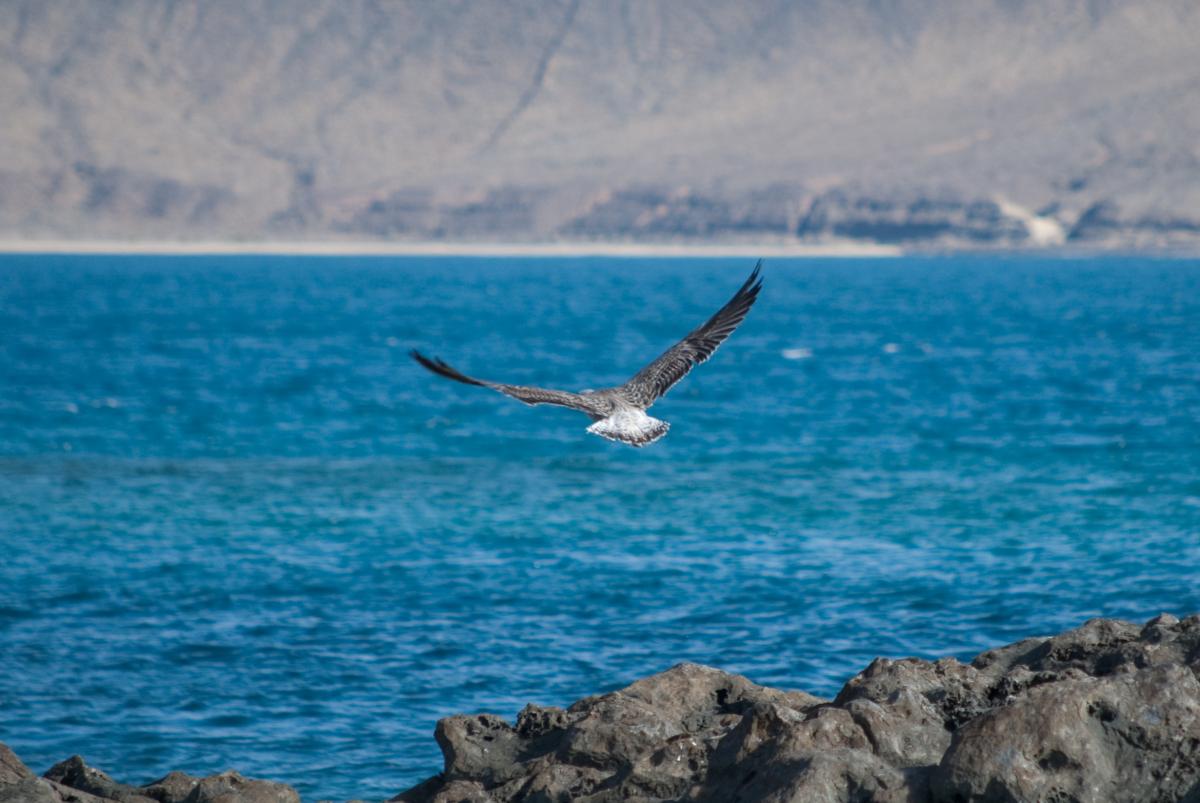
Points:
[[422, 359], [754, 283], [748, 292], [442, 368]]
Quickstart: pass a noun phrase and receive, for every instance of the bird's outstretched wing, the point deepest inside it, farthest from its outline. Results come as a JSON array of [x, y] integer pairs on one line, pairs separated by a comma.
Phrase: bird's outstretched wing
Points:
[[661, 375], [527, 395]]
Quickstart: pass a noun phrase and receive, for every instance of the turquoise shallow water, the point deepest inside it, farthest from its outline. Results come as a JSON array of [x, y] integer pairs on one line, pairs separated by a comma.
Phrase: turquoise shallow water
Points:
[[239, 527]]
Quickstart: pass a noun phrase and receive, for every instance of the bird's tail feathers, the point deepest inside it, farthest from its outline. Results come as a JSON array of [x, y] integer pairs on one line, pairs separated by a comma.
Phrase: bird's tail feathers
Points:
[[632, 427]]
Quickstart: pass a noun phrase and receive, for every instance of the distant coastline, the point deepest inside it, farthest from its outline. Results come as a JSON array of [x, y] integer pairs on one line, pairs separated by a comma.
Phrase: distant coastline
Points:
[[500, 249]]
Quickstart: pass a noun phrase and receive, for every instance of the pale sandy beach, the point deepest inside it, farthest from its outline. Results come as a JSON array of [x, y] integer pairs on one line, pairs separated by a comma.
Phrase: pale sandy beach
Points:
[[367, 248]]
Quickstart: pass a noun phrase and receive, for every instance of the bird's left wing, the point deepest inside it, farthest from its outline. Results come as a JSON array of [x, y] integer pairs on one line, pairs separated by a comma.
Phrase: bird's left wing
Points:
[[661, 375], [528, 395]]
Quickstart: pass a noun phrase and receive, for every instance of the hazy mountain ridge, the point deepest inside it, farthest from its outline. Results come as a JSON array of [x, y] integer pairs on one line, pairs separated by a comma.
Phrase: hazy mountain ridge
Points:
[[925, 123]]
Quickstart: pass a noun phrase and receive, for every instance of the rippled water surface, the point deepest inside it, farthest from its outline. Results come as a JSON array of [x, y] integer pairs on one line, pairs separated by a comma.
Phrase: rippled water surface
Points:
[[239, 527]]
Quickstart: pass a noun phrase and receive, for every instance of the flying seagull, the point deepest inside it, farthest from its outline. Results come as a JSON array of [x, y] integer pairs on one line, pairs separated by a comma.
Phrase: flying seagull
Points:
[[619, 413]]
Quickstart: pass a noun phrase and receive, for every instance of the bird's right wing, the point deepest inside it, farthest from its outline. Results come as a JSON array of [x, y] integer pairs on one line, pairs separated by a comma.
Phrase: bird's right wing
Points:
[[661, 375], [528, 395]]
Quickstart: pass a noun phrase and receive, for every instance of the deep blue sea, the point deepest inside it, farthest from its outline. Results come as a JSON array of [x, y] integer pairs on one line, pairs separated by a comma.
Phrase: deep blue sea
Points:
[[239, 527]]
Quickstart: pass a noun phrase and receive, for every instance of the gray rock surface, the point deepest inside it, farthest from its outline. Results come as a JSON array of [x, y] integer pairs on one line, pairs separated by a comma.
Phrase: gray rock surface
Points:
[[920, 122], [73, 781], [74, 773], [1133, 737], [1109, 711], [226, 787], [12, 769]]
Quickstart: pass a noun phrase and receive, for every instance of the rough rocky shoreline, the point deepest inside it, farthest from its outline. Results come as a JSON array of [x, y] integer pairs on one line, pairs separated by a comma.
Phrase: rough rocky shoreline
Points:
[[1109, 711]]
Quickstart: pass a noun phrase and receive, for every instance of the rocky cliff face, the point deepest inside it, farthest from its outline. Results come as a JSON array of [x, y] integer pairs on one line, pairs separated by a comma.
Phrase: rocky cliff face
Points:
[[925, 123], [1107, 712]]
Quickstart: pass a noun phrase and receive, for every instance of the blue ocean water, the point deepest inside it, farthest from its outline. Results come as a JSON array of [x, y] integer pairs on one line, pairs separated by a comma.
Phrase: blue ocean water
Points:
[[240, 528]]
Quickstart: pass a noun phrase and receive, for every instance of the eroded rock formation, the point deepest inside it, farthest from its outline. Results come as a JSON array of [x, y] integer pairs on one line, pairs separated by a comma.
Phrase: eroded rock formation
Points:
[[1109, 711], [73, 781]]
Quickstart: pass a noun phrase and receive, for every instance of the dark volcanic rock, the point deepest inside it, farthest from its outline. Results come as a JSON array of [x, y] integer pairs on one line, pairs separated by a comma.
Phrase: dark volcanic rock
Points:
[[74, 773], [18, 784], [73, 781], [1130, 737], [1109, 711], [227, 787], [647, 742], [483, 747], [12, 770]]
